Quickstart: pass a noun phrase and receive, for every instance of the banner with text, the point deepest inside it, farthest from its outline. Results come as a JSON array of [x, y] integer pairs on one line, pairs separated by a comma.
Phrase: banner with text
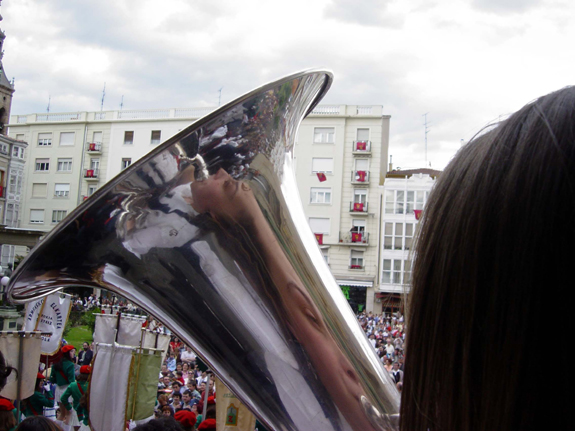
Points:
[[49, 314], [232, 414]]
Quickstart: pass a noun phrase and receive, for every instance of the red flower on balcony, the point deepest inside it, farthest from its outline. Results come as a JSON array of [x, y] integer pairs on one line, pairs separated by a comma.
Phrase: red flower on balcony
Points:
[[319, 237], [361, 145], [355, 237], [355, 266], [358, 206], [361, 176]]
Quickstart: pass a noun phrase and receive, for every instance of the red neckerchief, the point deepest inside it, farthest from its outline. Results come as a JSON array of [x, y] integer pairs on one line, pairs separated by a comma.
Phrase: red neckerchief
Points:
[[208, 423]]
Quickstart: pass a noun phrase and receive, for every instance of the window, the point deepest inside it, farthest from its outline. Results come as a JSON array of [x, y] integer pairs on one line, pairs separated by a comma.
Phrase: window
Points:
[[363, 135], [94, 164], [44, 139], [322, 165], [395, 201], [156, 137], [356, 259], [91, 190], [320, 225], [58, 215], [39, 190], [358, 225], [18, 152], [391, 271], [64, 165], [126, 163], [4, 148], [398, 236], [362, 165], [325, 254], [62, 190], [320, 195], [360, 196], [37, 216], [12, 183], [42, 165], [128, 138], [324, 135], [67, 138], [97, 137]]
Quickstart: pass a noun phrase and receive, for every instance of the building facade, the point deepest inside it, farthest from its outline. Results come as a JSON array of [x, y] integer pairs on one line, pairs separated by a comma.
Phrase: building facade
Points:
[[405, 194], [71, 155]]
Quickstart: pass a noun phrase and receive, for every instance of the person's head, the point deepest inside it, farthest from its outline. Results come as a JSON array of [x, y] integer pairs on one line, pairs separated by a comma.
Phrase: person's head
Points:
[[162, 400], [186, 396], [164, 423], [191, 385], [179, 366], [202, 386], [501, 212], [176, 397], [7, 419], [38, 423], [167, 411], [185, 366], [86, 346], [167, 380], [176, 386], [396, 366], [164, 368], [186, 418], [68, 352]]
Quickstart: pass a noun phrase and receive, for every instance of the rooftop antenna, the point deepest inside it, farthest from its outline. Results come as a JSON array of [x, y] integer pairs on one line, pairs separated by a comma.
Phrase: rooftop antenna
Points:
[[48, 108], [426, 128], [103, 96], [122, 103], [220, 97]]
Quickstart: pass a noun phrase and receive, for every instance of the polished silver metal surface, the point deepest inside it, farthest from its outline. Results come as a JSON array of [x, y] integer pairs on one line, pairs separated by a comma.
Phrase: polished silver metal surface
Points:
[[208, 234]]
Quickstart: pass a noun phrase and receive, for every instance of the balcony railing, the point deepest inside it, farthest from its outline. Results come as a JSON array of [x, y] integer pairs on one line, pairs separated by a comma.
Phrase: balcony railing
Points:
[[134, 114], [94, 147], [73, 116], [362, 147], [358, 207], [326, 110], [360, 177], [354, 238], [91, 174]]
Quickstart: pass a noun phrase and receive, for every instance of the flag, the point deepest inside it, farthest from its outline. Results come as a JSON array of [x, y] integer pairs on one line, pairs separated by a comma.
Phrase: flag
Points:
[[355, 237], [232, 414], [417, 214], [361, 145], [321, 177], [319, 237], [358, 206], [30, 345], [48, 314], [361, 176]]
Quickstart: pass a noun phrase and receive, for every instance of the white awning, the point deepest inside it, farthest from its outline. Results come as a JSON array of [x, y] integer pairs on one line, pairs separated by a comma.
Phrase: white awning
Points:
[[355, 283]]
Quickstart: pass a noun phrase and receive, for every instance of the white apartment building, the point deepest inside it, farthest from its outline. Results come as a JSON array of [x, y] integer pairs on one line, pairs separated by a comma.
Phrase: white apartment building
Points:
[[405, 194], [71, 155], [341, 156]]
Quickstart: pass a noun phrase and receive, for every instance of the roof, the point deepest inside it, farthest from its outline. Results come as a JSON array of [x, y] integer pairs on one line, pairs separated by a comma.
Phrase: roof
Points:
[[409, 172], [9, 140]]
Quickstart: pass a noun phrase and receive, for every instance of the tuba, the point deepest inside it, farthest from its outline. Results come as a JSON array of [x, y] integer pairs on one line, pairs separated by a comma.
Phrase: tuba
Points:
[[207, 233]]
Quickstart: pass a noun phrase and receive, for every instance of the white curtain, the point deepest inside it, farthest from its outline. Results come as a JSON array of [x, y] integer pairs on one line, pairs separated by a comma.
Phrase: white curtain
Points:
[[10, 348], [150, 341], [109, 387]]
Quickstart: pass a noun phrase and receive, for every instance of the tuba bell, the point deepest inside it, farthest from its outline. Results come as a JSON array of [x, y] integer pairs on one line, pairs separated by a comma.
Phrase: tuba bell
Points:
[[207, 233]]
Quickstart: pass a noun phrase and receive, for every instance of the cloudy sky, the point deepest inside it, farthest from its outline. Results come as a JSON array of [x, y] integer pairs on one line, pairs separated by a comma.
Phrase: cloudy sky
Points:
[[465, 63]]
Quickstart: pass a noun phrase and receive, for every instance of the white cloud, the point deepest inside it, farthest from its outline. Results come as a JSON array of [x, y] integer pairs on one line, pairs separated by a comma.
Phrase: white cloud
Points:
[[465, 63]]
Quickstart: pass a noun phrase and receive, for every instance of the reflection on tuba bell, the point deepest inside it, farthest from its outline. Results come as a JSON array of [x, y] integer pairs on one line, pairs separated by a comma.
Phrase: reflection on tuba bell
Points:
[[207, 233]]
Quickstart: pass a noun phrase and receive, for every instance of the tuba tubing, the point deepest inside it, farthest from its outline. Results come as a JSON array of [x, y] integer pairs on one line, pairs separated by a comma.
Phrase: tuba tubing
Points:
[[207, 233]]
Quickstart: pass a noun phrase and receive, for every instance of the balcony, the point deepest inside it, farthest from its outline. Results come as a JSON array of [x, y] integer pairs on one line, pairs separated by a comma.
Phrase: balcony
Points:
[[362, 148], [356, 267], [94, 147], [354, 238], [91, 174], [358, 208], [360, 177]]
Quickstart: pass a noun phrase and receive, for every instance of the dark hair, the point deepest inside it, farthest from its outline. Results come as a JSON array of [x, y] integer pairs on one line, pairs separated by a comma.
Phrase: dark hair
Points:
[[497, 234], [38, 423], [5, 371], [176, 394], [160, 424]]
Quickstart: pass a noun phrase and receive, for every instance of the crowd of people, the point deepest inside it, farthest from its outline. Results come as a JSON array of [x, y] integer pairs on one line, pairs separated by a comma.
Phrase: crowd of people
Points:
[[386, 333]]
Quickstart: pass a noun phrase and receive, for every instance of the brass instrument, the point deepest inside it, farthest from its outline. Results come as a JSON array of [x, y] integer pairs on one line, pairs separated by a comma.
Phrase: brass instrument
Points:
[[208, 234]]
